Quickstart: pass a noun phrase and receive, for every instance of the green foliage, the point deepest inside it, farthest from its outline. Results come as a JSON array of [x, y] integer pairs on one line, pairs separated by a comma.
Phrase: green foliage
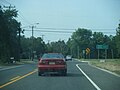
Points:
[[9, 28], [57, 47], [83, 38], [80, 40], [117, 40], [38, 46]]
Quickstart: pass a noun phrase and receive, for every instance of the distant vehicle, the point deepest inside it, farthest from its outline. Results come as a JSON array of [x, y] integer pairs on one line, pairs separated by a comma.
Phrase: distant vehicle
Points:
[[52, 63], [68, 57]]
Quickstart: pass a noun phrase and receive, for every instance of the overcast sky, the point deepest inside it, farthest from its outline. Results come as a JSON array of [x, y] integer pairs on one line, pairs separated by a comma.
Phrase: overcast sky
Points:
[[97, 15]]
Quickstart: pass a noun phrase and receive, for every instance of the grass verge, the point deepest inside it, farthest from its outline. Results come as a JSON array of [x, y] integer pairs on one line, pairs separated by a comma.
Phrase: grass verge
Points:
[[112, 65]]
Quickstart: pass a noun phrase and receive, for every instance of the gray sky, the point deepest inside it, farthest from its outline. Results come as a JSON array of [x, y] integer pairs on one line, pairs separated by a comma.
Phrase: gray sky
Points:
[[97, 15]]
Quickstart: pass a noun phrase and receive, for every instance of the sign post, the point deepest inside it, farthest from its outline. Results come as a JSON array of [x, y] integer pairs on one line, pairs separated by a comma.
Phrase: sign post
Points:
[[88, 52], [84, 54], [102, 47], [98, 53]]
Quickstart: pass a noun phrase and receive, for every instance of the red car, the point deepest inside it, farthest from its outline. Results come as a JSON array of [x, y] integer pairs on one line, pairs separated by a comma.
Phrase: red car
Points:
[[52, 63]]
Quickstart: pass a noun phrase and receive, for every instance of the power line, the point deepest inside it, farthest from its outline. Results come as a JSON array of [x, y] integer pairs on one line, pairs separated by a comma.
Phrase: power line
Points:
[[104, 29], [20, 14], [52, 31], [1, 4], [51, 28], [57, 28], [70, 28], [6, 2], [3, 1]]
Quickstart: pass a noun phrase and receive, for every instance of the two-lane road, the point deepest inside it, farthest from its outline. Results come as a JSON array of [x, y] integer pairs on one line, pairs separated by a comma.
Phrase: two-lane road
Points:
[[26, 78]]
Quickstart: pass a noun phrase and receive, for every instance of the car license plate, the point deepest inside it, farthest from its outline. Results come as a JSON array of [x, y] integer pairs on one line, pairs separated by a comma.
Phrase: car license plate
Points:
[[51, 63]]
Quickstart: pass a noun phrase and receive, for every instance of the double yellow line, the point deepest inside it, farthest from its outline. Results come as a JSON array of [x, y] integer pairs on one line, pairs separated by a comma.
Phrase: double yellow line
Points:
[[17, 78]]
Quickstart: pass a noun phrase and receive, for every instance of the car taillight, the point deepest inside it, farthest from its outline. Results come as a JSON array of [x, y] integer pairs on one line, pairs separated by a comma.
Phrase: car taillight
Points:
[[60, 62], [43, 62], [39, 59]]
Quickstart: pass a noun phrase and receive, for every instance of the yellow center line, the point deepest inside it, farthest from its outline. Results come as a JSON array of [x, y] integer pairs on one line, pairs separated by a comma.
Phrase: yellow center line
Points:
[[18, 79], [15, 78]]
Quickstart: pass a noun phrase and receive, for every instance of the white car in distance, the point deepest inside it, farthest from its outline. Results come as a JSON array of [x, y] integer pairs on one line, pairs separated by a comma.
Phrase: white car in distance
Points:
[[68, 58]]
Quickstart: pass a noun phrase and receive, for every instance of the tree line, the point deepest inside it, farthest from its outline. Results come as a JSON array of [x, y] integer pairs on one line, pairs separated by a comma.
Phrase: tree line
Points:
[[76, 46], [12, 44], [83, 39]]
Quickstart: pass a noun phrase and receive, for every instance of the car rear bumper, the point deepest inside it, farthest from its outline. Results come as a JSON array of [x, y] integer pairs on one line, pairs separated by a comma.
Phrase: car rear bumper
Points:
[[57, 68], [68, 59]]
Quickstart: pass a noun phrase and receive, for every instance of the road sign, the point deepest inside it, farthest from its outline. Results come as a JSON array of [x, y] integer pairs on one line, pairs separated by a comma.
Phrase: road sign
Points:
[[87, 50], [105, 47], [102, 46]]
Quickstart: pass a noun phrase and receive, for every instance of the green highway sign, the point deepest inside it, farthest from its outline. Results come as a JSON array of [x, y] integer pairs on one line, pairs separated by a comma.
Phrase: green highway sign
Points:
[[102, 46]]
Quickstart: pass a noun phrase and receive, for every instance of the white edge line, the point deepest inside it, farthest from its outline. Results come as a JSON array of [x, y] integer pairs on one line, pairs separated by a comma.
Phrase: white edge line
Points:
[[88, 78]]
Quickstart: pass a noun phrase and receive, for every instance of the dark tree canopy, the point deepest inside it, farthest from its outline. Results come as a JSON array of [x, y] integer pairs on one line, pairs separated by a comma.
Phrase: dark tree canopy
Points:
[[9, 28]]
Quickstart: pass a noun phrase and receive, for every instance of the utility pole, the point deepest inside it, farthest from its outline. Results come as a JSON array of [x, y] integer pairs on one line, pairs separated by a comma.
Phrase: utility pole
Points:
[[19, 30], [33, 41], [98, 53], [112, 53], [48, 41], [105, 53], [71, 50], [78, 52], [42, 36]]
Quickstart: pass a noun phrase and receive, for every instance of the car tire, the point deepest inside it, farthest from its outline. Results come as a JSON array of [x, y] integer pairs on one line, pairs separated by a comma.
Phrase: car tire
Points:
[[64, 73], [39, 73]]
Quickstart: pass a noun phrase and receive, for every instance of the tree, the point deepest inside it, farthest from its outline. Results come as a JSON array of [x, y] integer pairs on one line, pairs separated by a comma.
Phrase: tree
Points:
[[58, 47], [69, 46], [39, 47], [80, 41], [83, 38], [117, 40], [112, 47], [9, 41]]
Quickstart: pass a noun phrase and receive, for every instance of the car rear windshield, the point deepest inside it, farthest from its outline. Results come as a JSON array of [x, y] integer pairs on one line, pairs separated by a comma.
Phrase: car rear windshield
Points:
[[49, 56]]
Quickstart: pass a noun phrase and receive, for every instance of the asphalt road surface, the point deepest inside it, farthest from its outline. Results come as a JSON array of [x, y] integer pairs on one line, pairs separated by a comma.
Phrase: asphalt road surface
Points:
[[80, 76]]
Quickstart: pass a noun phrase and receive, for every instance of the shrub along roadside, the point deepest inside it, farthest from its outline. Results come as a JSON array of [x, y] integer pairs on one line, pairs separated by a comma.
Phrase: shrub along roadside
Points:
[[22, 61]]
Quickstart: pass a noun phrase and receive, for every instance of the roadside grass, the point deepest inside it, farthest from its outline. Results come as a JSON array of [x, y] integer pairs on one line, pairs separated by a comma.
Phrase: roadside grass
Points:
[[112, 65], [27, 61]]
